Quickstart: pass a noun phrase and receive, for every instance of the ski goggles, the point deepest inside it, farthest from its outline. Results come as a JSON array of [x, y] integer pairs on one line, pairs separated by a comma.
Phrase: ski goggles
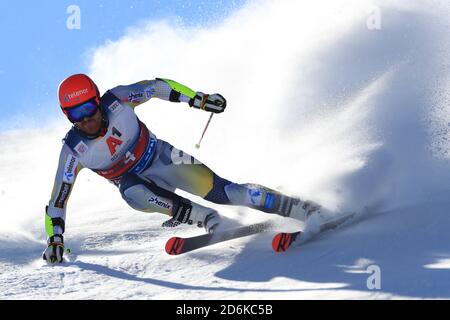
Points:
[[85, 110]]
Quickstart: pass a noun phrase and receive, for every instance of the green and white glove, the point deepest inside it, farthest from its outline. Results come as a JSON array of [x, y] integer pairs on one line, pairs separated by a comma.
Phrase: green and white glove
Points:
[[209, 102], [55, 250]]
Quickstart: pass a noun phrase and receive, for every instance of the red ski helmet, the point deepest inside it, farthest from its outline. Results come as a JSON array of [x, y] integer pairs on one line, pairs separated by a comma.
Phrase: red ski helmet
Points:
[[77, 89]]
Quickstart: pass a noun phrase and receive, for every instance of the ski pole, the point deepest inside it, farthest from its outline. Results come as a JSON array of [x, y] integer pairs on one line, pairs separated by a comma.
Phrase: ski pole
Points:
[[206, 127]]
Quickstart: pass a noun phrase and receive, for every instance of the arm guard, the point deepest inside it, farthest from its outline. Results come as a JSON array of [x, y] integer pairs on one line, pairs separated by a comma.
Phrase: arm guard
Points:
[[55, 212], [165, 89]]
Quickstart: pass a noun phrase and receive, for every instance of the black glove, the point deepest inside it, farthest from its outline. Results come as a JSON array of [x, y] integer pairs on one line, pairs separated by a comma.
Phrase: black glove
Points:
[[209, 102], [55, 250]]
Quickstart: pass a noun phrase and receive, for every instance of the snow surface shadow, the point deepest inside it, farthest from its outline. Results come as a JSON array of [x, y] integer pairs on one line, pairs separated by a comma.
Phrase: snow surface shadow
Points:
[[342, 256], [23, 251], [103, 270], [19, 249], [18, 255]]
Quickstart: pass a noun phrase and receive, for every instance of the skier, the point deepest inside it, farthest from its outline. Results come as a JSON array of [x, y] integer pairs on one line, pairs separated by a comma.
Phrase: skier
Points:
[[108, 138]]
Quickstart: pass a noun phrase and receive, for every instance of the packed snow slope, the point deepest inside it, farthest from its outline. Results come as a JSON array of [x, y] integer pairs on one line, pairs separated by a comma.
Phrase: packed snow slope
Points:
[[342, 102]]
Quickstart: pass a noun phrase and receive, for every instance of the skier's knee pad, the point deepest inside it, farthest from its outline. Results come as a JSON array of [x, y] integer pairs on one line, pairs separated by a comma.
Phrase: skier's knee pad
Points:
[[255, 196], [237, 193]]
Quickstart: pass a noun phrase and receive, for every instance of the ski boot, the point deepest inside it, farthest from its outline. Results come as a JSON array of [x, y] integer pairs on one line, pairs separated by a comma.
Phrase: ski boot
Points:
[[192, 213], [311, 213], [303, 210], [272, 201]]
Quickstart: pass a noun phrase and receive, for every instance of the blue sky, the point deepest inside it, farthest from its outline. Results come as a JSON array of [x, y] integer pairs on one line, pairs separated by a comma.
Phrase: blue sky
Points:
[[38, 50]]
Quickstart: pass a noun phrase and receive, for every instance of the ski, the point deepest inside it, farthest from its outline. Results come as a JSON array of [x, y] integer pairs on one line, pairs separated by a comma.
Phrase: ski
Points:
[[283, 240], [178, 245]]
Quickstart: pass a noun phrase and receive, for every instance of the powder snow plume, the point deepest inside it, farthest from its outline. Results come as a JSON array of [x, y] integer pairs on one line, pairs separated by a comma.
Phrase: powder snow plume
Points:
[[321, 103]]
